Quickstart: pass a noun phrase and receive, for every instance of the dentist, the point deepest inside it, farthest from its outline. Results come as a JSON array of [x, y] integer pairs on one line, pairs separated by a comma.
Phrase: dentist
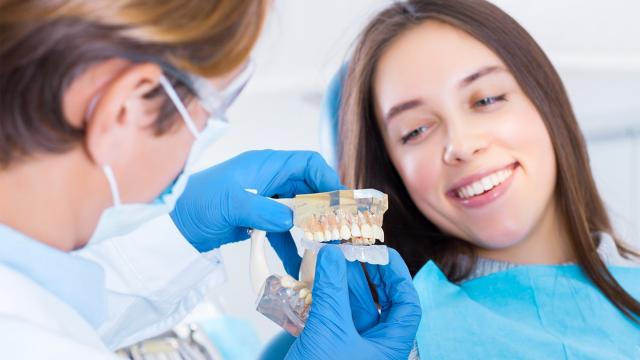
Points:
[[107, 236]]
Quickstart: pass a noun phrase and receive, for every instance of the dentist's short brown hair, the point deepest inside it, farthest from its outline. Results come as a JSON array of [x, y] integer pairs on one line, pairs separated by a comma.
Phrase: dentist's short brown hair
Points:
[[45, 44]]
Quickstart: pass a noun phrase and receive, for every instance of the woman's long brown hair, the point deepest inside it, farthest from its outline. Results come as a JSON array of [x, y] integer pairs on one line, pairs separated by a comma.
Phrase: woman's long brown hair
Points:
[[364, 161]]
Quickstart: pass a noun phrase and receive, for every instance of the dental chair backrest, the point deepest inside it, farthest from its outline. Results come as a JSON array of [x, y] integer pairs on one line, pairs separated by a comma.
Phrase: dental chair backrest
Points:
[[330, 116]]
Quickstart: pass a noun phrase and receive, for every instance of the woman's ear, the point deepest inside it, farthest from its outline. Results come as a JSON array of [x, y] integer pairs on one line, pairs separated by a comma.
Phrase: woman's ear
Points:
[[121, 113]]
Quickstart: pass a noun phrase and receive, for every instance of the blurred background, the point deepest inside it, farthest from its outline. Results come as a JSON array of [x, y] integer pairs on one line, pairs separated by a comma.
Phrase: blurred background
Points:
[[595, 46]]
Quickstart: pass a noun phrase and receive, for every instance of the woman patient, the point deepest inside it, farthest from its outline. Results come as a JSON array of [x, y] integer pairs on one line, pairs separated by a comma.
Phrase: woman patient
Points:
[[452, 109]]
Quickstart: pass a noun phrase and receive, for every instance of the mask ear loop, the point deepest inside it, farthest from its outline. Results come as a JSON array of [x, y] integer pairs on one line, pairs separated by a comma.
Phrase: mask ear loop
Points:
[[113, 185], [168, 88], [106, 169]]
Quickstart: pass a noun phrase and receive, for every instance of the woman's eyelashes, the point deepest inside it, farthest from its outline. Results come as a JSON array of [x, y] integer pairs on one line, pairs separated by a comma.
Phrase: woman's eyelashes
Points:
[[488, 101], [484, 103], [414, 134]]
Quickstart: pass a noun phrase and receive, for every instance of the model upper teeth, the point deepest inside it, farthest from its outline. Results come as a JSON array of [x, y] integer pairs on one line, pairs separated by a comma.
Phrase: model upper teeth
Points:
[[362, 227], [485, 184]]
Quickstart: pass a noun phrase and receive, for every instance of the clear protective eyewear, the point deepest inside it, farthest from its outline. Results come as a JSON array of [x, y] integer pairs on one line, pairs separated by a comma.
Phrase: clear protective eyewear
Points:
[[217, 102], [214, 101]]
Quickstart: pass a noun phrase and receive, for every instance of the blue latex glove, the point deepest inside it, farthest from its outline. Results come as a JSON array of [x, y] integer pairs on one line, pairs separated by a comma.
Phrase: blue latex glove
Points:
[[215, 209], [330, 331]]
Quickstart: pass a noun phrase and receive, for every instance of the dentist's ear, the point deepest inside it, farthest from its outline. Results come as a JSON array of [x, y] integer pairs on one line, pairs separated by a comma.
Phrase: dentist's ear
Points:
[[120, 112]]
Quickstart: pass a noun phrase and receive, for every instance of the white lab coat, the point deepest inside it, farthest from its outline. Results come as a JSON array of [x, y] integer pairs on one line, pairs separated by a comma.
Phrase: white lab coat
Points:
[[154, 278]]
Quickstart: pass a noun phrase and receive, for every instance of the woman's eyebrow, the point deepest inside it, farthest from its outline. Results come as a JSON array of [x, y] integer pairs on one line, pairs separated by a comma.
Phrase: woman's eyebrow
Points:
[[480, 73], [410, 104], [399, 108]]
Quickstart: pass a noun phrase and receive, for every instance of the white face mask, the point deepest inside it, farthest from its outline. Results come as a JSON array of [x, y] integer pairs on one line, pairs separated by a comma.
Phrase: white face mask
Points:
[[121, 218]]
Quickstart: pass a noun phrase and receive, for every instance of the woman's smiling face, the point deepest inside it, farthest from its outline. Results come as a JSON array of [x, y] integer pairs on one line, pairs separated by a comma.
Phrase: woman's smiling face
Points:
[[471, 148]]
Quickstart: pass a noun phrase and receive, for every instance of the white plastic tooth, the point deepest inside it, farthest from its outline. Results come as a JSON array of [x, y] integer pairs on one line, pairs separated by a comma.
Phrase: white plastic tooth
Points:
[[308, 235], [377, 232], [318, 236], [355, 230], [345, 233], [287, 281], [335, 234], [308, 299], [381, 238], [327, 235], [366, 230], [303, 293]]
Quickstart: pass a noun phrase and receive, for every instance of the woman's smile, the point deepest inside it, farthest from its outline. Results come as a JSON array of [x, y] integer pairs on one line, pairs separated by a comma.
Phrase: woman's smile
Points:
[[482, 188]]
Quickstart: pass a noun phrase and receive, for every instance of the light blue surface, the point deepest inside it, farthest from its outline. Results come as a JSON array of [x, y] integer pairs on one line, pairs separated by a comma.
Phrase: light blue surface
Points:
[[76, 281], [235, 338], [527, 312], [278, 347]]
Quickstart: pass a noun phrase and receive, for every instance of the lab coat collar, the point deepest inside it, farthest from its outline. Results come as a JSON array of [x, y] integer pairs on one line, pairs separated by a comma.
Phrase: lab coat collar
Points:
[[78, 282]]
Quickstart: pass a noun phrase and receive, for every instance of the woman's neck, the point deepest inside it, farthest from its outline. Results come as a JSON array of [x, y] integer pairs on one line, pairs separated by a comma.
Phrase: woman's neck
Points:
[[44, 197], [547, 243]]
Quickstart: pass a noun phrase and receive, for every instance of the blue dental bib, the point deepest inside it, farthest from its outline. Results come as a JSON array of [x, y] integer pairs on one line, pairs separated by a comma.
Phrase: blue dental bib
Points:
[[527, 312]]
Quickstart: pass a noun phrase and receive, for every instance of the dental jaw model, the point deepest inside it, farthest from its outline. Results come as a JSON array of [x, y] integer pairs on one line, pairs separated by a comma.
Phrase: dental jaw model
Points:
[[349, 219]]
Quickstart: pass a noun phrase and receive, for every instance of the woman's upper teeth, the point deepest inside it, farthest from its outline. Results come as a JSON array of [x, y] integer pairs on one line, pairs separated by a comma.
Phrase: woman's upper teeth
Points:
[[485, 184]]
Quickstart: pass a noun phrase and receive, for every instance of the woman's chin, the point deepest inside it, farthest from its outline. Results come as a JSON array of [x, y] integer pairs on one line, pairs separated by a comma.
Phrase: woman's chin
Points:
[[497, 240]]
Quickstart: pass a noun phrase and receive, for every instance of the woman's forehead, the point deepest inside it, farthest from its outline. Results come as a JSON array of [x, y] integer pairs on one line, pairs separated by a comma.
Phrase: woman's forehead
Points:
[[431, 55], [435, 48]]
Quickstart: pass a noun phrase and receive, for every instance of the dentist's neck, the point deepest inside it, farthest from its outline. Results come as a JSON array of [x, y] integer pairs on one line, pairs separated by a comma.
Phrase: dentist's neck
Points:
[[53, 199]]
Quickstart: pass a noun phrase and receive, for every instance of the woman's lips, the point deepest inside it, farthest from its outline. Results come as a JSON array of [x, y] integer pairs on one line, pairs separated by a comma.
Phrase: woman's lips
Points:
[[483, 188]]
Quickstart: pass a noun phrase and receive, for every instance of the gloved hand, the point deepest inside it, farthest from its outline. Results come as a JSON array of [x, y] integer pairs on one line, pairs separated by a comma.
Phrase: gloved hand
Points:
[[330, 331], [215, 209]]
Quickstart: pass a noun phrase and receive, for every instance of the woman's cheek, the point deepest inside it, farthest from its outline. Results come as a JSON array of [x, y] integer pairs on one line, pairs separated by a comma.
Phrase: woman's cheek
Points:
[[420, 171]]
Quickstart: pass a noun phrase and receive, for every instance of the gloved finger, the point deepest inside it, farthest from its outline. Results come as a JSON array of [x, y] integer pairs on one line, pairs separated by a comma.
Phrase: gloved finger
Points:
[[306, 166], [285, 247], [330, 313], [363, 309], [373, 271], [292, 188], [258, 212], [393, 283], [319, 175], [401, 310]]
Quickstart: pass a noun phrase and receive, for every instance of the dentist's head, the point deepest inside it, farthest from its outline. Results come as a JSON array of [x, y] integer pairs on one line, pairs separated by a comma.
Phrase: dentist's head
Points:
[[106, 105]]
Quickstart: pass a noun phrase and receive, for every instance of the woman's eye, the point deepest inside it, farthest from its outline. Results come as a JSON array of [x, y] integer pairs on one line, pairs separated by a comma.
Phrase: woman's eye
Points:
[[490, 100], [414, 134]]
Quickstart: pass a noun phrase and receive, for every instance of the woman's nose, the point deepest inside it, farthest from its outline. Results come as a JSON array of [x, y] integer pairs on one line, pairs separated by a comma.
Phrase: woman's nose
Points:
[[463, 143]]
